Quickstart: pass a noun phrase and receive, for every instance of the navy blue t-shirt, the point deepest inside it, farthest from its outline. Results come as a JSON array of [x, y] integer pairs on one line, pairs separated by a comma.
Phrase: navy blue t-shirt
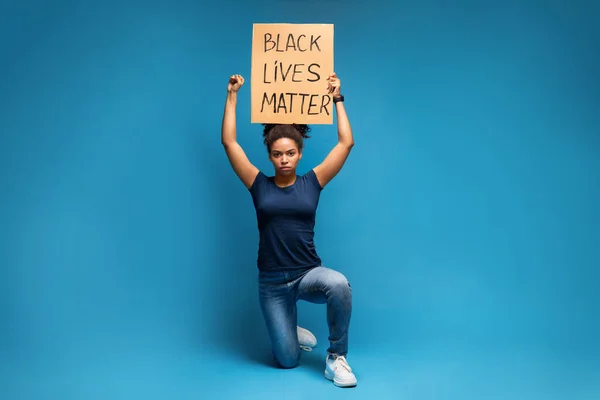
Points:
[[286, 221]]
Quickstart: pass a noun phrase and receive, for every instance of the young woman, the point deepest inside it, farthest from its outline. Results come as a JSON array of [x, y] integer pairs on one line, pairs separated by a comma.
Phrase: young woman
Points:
[[289, 267]]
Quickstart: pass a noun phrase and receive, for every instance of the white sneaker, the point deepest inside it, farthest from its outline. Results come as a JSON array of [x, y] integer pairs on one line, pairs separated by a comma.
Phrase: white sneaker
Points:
[[307, 339], [338, 370]]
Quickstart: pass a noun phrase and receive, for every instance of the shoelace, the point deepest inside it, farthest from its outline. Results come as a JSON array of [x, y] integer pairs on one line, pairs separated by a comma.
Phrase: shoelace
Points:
[[341, 362]]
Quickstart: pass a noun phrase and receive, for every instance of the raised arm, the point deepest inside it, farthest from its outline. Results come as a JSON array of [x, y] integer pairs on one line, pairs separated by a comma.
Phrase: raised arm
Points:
[[336, 158], [237, 157]]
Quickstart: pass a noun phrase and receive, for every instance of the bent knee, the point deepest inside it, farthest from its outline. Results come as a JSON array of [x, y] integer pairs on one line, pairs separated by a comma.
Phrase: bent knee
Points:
[[287, 354], [288, 361], [288, 365], [339, 282]]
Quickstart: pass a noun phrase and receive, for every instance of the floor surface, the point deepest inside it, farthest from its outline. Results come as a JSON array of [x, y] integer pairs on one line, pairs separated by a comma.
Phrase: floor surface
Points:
[[435, 375]]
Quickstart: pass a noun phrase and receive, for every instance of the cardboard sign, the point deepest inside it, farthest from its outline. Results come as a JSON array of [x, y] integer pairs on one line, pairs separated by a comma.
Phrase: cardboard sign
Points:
[[290, 66]]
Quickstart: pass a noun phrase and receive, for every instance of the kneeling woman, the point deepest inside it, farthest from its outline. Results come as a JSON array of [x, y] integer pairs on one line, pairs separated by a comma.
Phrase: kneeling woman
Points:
[[289, 266]]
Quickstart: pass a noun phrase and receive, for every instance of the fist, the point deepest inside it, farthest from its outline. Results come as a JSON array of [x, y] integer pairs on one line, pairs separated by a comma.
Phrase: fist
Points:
[[235, 83], [333, 85]]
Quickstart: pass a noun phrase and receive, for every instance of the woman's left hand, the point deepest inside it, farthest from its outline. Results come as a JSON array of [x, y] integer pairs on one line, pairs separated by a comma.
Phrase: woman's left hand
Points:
[[333, 85]]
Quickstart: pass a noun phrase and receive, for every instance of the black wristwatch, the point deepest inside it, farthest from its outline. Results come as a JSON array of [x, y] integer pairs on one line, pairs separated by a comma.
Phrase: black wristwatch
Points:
[[339, 98]]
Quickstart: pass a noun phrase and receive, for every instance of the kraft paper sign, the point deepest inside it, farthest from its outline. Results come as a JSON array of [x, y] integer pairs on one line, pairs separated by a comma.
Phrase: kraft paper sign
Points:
[[290, 66]]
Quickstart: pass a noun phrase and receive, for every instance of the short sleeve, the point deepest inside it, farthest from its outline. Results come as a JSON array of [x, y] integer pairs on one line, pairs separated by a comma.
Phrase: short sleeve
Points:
[[312, 178], [258, 180]]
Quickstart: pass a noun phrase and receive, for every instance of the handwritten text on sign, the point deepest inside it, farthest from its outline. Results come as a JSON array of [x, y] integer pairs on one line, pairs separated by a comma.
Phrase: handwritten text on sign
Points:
[[290, 65]]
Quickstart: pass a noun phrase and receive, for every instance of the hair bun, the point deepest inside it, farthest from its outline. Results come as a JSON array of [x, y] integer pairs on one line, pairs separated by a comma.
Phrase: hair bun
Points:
[[267, 128], [296, 132], [303, 129]]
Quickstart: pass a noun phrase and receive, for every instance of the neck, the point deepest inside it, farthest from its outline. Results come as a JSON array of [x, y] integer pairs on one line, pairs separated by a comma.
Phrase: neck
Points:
[[285, 180]]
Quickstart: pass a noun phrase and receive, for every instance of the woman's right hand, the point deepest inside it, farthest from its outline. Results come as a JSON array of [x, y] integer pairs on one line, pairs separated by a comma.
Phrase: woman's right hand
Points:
[[235, 83]]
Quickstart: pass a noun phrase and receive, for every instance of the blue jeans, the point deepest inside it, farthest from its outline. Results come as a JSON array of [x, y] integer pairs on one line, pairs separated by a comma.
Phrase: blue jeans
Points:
[[279, 292]]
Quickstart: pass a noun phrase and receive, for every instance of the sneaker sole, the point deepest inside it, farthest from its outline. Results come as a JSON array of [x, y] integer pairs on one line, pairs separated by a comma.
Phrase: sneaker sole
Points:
[[338, 383]]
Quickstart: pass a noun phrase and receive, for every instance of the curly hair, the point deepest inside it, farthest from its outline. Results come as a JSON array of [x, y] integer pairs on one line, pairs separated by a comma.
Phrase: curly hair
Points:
[[296, 132]]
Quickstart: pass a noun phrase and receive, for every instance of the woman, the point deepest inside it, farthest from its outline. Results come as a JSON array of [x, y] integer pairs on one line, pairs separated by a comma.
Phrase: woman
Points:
[[289, 266]]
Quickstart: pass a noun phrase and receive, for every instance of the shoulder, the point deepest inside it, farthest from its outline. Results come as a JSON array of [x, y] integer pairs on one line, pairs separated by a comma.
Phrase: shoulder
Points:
[[311, 178], [259, 181]]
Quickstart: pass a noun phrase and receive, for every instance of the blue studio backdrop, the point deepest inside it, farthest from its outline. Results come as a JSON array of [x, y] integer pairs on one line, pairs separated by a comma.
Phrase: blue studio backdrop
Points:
[[466, 217]]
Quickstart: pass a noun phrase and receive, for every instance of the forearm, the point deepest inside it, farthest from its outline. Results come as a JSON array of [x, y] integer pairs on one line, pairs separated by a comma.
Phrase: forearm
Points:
[[228, 127], [344, 129]]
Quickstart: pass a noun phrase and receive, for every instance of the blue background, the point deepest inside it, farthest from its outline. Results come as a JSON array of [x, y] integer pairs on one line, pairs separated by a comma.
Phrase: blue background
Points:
[[466, 217]]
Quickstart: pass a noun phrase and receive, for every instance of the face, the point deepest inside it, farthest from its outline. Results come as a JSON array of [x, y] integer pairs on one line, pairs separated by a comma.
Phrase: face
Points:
[[285, 156]]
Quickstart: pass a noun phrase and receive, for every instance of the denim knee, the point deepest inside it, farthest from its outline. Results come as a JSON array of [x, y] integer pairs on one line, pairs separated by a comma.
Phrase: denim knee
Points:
[[340, 286], [288, 360]]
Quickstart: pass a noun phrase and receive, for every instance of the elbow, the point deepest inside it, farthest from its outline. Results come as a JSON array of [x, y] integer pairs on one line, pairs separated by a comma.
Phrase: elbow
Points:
[[348, 144], [346, 139], [227, 143]]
